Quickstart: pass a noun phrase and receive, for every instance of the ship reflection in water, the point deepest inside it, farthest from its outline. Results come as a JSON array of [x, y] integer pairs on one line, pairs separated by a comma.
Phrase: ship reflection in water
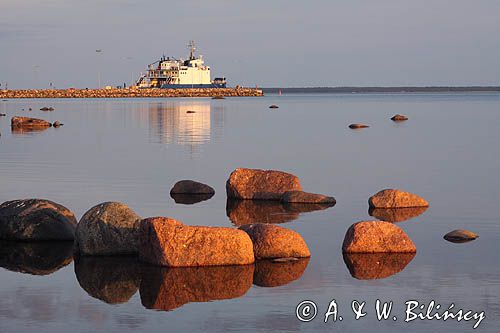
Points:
[[190, 123]]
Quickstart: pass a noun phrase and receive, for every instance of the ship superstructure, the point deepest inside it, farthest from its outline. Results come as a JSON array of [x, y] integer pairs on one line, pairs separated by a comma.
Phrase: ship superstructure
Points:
[[170, 72]]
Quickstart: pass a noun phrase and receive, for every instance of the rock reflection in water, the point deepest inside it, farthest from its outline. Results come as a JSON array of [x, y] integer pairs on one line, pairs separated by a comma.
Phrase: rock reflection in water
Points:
[[169, 288], [28, 131], [242, 212], [369, 266], [396, 214], [112, 280], [274, 274], [37, 258], [189, 199]]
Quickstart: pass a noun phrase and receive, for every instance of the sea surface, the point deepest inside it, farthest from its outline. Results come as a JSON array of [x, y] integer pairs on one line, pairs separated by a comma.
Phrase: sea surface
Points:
[[134, 150]]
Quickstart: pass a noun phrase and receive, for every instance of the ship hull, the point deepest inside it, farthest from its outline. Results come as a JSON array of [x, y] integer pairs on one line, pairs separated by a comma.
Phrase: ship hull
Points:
[[195, 86]]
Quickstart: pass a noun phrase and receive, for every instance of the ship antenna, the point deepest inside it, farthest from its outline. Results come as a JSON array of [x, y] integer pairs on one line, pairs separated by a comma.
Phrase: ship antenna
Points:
[[192, 48]]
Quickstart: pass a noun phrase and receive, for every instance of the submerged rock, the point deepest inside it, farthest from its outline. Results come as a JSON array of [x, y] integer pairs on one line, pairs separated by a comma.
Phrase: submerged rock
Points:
[[273, 106], [260, 184], [369, 266], [271, 241], [36, 258], [376, 236], [191, 187], [399, 117], [218, 97], [393, 198], [29, 123], [170, 288], [460, 236], [305, 197], [356, 126], [47, 108], [113, 280], [269, 273], [167, 242], [107, 229], [190, 199], [35, 220], [57, 124], [396, 214], [2, 115]]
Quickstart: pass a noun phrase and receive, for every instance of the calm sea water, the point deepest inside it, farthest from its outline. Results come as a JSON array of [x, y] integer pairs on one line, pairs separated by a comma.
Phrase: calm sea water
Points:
[[133, 151]]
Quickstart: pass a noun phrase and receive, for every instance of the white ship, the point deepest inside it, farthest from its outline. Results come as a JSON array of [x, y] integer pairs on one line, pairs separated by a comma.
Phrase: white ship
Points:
[[174, 73]]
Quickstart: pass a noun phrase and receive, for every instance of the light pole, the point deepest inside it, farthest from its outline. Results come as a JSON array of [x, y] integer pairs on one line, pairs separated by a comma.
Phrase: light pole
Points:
[[98, 51]]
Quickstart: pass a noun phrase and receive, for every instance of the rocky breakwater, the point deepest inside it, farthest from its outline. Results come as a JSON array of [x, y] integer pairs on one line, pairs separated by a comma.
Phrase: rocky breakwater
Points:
[[166, 242], [129, 92]]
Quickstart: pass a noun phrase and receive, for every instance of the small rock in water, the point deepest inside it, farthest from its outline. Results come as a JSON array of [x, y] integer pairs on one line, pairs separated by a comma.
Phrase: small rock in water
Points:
[[274, 106], [47, 108], [393, 198], [218, 97], [356, 126], [2, 114], [399, 117], [30, 109], [57, 124], [460, 236], [191, 187], [190, 111]]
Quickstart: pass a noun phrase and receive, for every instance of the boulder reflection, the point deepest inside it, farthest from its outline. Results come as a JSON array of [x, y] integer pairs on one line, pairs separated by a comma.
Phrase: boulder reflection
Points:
[[170, 288], [242, 212], [189, 199], [369, 266], [396, 214], [274, 274], [37, 258], [112, 280]]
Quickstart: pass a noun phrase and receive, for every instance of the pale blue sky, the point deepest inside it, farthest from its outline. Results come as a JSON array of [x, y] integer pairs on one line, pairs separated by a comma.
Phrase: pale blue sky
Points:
[[268, 43]]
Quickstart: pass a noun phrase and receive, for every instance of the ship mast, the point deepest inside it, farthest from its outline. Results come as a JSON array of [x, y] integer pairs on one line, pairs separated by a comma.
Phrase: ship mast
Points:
[[192, 48]]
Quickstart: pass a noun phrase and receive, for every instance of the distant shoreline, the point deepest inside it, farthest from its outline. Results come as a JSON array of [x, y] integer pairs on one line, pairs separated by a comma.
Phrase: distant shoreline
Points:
[[431, 89]]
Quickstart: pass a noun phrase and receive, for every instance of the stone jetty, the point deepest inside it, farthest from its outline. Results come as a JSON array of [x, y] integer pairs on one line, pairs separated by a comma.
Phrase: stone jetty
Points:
[[129, 93]]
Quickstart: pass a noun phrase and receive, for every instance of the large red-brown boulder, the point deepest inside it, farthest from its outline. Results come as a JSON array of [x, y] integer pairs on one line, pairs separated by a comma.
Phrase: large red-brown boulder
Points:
[[169, 288], [376, 236], [167, 242], [27, 123], [271, 241], [260, 184], [109, 228], [305, 197], [392, 198], [36, 220]]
